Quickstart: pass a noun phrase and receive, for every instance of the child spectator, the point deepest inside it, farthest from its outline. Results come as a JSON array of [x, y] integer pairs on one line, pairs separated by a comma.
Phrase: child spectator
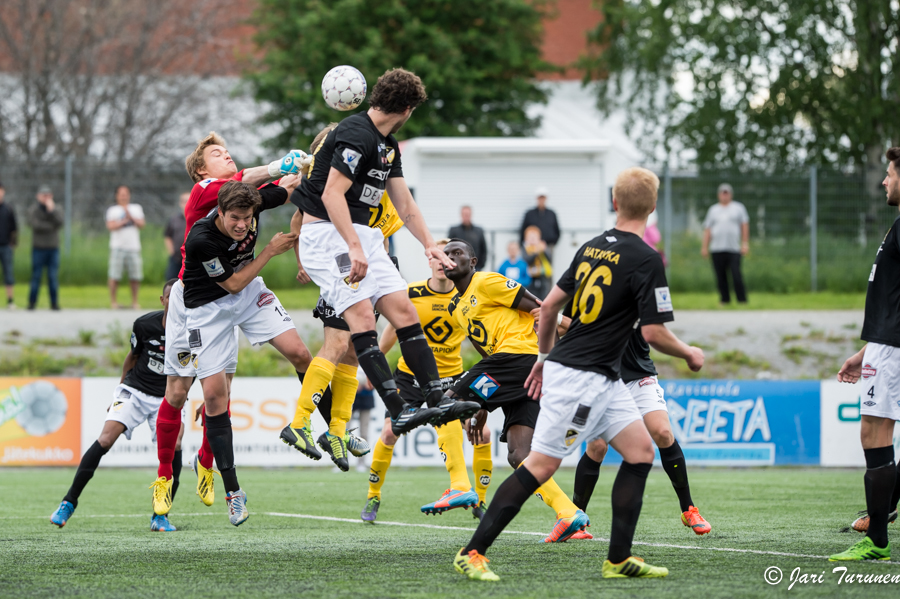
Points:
[[539, 260], [514, 267]]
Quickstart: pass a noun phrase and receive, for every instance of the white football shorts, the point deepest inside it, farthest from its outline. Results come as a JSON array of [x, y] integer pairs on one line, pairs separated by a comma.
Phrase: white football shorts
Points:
[[211, 327], [648, 395], [880, 394], [580, 406], [179, 356], [325, 257], [132, 407]]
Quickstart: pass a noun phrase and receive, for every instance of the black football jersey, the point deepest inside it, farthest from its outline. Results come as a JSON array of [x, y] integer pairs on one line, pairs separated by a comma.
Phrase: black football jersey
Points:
[[212, 257], [358, 150], [882, 317], [148, 345], [617, 283]]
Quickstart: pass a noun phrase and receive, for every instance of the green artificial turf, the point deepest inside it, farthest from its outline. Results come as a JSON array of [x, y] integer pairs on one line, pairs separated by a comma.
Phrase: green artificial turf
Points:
[[107, 550]]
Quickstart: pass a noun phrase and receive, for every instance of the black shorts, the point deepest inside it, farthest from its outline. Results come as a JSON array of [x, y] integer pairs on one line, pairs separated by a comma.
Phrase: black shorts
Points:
[[498, 381], [324, 312], [409, 389]]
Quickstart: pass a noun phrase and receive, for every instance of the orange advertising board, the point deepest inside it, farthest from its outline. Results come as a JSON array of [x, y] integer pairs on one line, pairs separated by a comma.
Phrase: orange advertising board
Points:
[[40, 421]]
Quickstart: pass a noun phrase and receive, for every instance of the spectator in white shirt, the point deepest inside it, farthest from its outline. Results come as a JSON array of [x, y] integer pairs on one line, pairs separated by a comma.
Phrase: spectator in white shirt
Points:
[[726, 238], [124, 221]]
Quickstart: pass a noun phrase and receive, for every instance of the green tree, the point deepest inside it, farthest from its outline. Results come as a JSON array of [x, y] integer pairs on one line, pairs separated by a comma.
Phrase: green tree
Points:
[[478, 61], [755, 83]]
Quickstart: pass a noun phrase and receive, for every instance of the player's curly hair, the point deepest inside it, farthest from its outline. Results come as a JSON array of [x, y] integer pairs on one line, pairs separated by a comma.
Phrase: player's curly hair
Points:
[[397, 90], [893, 154], [194, 162], [635, 192], [237, 195]]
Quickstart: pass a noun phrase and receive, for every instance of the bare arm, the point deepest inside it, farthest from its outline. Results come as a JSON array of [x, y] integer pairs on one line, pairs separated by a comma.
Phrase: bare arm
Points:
[[236, 283], [745, 238], [256, 175], [388, 339], [704, 247], [528, 302], [411, 216], [130, 361], [662, 339], [336, 187]]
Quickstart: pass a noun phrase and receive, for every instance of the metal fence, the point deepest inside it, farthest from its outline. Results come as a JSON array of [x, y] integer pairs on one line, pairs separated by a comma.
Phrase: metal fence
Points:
[[810, 231]]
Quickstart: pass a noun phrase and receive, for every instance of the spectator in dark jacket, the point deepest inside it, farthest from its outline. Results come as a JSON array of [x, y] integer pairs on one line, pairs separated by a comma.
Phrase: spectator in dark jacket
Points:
[[543, 218], [472, 234], [9, 236], [46, 220]]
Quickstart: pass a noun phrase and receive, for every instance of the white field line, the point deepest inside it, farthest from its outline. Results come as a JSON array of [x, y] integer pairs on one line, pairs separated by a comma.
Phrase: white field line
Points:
[[460, 528]]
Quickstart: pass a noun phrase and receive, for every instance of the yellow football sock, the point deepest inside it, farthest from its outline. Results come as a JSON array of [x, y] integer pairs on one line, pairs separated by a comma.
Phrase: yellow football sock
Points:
[[552, 495], [343, 394], [317, 378], [381, 461], [450, 442], [482, 468]]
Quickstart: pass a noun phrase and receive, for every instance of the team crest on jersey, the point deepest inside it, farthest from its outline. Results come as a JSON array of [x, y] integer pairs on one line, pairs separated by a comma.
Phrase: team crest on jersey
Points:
[[868, 370], [485, 386], [571, 436], [473, 301], [511, 284], [389, 159], [265, 298]]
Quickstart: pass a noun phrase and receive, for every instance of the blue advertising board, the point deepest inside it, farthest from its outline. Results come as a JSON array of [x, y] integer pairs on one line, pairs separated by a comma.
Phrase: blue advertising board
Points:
[[743, 423]]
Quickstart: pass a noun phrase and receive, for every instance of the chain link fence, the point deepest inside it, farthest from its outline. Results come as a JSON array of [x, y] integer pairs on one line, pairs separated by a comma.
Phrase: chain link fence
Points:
[[813, 231]]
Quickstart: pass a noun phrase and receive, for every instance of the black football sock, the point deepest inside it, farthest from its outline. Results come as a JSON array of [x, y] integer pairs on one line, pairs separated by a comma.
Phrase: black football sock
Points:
[[420, 359], [673, 463], [507, 501], [89, 462], [220, 436], [375, 365], [881, 475], [586, 475], [627, 497], [895, 498], [176, 472]]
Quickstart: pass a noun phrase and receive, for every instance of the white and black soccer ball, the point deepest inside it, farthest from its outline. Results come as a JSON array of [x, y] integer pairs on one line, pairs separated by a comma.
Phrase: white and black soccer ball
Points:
[[44, 408], [344, 88]]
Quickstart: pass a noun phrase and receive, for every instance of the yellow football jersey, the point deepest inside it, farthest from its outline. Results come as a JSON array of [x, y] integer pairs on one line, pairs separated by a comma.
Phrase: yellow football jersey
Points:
[[484, 311], [444, 335], [384, 216]]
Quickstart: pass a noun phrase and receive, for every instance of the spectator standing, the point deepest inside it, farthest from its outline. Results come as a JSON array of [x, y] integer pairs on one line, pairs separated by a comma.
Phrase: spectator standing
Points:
[[543, 218], [173, 237], [45, 219], [539, 259], [472, 234], [726, 237], [124, 221], [9, 237], [514, 267]]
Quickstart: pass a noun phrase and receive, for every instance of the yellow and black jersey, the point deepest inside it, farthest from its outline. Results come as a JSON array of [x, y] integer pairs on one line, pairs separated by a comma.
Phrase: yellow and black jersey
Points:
[[444, 335], [617, 283], [385, 217], [485, 311]]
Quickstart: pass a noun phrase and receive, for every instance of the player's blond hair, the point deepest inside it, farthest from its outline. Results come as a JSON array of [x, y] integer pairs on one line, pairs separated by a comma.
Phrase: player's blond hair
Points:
[[317, 142], [194, 162], [442, 241], [635, 193]]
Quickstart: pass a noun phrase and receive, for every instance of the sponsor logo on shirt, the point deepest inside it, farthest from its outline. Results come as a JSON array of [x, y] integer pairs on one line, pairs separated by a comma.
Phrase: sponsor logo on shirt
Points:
[[611, 239], [371, 195], [378, 174], [511, 284], [872, 274], [265, 298], [214, 268], [648, 380], [869, 403], [485, 386], [868, 370], [351, 159], [205, 182], [133, 340], [663, 299]]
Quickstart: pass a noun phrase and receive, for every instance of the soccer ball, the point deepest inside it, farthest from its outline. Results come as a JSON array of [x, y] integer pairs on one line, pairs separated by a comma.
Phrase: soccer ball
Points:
[[344, 88]]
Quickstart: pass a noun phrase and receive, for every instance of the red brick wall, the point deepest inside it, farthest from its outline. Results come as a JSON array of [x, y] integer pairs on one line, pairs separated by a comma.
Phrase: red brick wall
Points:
[[565, 35]]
